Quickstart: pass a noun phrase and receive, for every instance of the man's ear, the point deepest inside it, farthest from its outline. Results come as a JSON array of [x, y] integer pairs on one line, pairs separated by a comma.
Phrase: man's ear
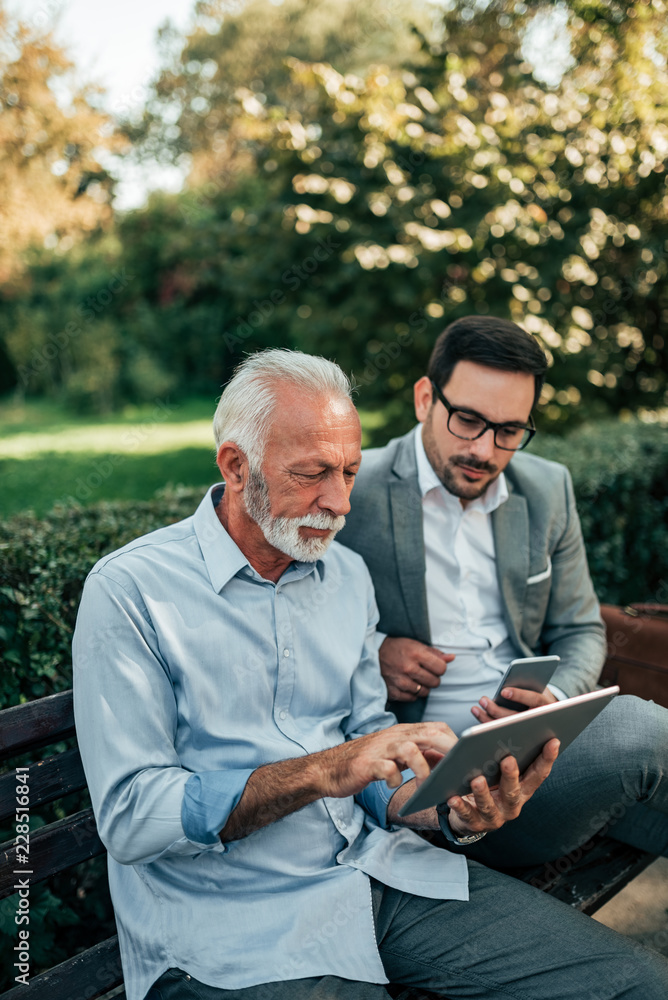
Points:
[[423, 397], [233, 465]]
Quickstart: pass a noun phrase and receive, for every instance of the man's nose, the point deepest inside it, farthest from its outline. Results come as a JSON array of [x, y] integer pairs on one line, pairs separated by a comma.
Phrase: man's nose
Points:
[[484, 446], [335, 496]]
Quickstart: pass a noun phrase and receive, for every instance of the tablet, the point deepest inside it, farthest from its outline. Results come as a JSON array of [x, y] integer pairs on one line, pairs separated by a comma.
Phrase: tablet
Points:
[[530, 672], [480, 749]]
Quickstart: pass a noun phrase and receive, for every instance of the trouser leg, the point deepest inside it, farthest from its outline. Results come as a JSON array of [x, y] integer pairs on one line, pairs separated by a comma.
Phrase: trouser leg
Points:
[[510, 940], [614, 776], [175, 984]]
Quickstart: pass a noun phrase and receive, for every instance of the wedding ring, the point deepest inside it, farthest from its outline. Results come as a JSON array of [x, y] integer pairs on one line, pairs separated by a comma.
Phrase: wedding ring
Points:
[[418, 689]]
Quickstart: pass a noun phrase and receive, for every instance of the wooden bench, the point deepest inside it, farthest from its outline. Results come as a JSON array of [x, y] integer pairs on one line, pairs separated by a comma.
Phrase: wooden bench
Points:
[[586, 880]]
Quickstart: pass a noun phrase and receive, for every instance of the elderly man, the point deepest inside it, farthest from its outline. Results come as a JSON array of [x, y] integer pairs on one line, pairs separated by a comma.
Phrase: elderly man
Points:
[[477, 557], [245, 776]]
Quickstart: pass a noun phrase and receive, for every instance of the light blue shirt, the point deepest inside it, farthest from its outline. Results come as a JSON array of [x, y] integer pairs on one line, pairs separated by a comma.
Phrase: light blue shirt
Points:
[[191, 671]]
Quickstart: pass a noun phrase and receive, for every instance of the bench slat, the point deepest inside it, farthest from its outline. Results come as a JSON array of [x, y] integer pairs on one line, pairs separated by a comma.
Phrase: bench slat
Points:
[[53, 848], [589, 880], [47, 780], [91, 974], [598, 881], [26, 727]]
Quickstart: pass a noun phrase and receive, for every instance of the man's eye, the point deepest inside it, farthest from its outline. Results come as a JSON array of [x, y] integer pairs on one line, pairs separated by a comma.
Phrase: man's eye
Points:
[[511, 433], [467, 420]]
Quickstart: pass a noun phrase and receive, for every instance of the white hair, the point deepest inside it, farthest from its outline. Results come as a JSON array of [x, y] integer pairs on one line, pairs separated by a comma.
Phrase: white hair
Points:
[[244, 412]]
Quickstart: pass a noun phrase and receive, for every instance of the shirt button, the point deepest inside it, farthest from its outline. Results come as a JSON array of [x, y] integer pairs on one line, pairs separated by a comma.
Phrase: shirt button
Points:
[[283, 715], [286, 652]]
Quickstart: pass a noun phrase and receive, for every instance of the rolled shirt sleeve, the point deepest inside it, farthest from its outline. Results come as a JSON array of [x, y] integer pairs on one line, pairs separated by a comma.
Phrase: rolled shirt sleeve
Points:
[[375, 798], [208, 801]]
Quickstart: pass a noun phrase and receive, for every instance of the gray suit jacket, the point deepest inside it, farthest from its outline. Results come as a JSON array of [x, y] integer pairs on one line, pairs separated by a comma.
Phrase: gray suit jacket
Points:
[[548, 600]]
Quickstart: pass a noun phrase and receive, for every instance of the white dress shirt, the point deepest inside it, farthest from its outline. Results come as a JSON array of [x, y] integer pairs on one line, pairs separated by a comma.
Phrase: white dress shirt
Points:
[[463, 594]]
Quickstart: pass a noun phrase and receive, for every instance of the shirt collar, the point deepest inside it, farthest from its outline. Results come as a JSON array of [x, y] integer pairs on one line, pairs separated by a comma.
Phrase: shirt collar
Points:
[[495, 494], [222, 556]]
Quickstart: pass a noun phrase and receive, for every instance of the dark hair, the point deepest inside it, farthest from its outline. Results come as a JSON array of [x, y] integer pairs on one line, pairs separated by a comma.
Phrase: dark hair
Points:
[[496, 343]]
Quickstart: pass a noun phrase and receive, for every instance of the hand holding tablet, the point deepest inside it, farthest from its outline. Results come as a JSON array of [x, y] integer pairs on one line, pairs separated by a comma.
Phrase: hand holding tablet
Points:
[[480, 749]]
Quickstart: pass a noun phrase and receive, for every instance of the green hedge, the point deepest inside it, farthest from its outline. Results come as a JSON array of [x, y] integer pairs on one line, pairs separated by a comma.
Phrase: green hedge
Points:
[[620, 473], [43, 565]]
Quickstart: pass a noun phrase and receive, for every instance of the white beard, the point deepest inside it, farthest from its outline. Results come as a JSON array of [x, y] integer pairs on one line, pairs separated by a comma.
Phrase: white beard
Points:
[[283, 532]]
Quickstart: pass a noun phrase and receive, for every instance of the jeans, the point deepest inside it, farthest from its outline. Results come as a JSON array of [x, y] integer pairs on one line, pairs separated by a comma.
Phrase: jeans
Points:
[[508, 941]]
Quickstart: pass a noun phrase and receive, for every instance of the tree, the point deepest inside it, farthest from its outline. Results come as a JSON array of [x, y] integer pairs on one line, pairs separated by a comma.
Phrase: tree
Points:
[[354, 213], [236, 56], [54, 188], [463, 183]]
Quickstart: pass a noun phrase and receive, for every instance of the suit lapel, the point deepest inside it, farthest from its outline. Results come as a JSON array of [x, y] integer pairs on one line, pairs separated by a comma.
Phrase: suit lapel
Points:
[[409, 554], [510, 524], [407, 536]]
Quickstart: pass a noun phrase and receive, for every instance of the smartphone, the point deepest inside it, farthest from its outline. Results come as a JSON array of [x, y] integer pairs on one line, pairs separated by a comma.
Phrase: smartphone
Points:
[[532, 673]]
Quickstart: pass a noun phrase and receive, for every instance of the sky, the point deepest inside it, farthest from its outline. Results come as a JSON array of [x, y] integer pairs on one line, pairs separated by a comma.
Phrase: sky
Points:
[[114, 44], [111, 43]]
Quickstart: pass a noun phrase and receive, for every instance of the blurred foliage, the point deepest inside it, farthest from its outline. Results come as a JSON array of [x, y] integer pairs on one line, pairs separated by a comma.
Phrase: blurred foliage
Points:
[[237, 52], [352, 209], [462, 185], [54, 189]]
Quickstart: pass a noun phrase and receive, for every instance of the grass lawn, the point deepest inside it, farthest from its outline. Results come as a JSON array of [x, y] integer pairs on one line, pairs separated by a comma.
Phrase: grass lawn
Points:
[[87, 477], [49, 456]]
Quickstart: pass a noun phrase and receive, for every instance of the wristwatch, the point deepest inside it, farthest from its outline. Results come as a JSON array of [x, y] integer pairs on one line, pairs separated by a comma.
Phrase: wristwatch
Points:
[[443, 812]]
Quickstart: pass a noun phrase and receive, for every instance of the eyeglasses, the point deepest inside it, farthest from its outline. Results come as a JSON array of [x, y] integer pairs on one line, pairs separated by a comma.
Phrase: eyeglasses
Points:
[[469, 426]]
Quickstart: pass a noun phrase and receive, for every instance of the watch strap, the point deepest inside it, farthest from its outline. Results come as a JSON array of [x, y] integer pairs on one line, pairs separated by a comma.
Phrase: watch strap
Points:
[[443, 812]]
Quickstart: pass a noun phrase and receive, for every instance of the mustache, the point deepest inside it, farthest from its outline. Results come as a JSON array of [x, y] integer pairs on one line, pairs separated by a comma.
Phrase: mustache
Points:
[[473, 463], [321, 521]]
